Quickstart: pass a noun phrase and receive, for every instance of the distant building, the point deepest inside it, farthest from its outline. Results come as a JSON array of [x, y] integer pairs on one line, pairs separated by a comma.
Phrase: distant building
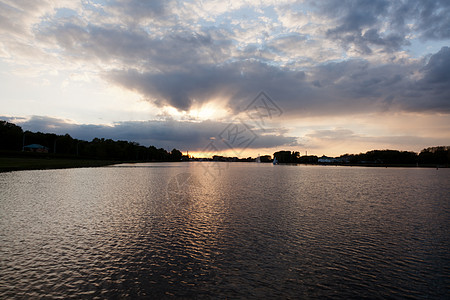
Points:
[[327, 160], [343, 159], [35, 148]]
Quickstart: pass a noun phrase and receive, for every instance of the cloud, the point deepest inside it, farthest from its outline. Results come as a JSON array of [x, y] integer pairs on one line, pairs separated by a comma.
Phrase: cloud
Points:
[[233, 82], [347, 87], [431, 92], [361, 24], [113, 46], [383, 24], [437, 71], [236, 49], [16, 17], [188, 67], [136, 9], [168, 134], [332, 134], [432, 18]]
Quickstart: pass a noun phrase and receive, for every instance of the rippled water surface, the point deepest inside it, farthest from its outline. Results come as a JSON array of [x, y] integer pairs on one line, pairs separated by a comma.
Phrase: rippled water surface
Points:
[[252, 231]]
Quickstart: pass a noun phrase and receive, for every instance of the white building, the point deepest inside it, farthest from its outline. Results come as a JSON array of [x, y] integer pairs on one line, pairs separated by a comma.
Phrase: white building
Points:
[[327, 160]]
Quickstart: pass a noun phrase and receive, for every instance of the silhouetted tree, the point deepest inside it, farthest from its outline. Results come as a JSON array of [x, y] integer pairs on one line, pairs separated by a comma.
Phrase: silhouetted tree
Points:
[[175, 155], [435, 155], [11, 136], [283, 156]]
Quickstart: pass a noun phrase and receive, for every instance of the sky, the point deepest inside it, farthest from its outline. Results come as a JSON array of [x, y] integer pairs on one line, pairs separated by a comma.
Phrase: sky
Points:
[[237, 78]]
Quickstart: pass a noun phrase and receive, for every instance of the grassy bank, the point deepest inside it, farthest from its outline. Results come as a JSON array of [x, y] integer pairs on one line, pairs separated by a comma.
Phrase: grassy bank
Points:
[[38, 163]]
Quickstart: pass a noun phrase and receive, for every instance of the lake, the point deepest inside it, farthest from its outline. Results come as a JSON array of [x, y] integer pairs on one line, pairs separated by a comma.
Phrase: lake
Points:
[[225, 230]]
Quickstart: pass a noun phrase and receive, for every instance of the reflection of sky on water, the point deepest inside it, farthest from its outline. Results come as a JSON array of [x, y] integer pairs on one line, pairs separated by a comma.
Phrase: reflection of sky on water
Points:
[[258, 231]]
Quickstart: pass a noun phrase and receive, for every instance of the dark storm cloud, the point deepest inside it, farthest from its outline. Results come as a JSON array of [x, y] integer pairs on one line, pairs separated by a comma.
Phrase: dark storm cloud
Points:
[[183, 135], [237, 82], [185, 67], [437, 71], [360, 86], [386, 24], [354, 17], [177, 49], [432, 18], [432, 92], [352, 86]]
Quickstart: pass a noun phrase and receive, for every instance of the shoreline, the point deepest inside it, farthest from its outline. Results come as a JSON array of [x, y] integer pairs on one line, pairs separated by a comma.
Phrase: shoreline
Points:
[[10, 164]]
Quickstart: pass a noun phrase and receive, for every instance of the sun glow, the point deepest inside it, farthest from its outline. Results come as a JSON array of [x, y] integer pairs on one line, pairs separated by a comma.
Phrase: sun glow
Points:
[[210, 110]]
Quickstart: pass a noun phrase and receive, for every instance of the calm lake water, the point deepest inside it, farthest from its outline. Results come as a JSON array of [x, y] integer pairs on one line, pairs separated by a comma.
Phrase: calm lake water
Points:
[[234, 230]]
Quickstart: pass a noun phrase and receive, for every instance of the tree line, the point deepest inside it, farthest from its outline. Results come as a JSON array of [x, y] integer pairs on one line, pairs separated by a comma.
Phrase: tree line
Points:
[[13, 139], [439, 155]]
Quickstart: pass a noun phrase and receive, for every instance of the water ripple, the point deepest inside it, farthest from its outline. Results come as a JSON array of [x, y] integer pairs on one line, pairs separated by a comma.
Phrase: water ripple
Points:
[[257, 232]]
